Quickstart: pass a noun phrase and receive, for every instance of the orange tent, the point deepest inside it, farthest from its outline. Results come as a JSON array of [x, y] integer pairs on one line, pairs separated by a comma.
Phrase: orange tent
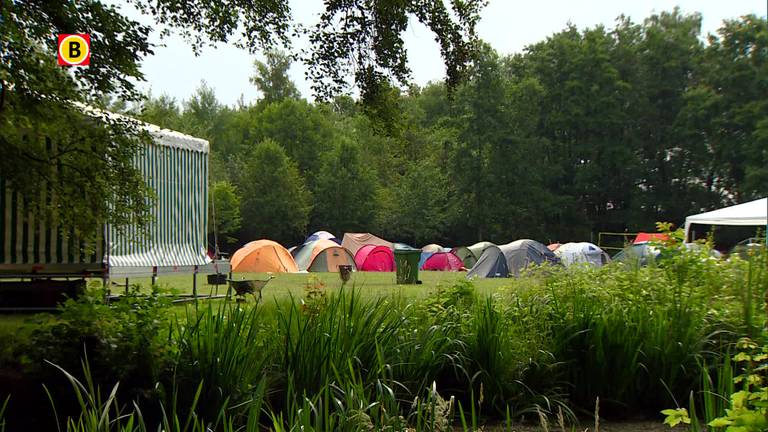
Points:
[[262, 256]]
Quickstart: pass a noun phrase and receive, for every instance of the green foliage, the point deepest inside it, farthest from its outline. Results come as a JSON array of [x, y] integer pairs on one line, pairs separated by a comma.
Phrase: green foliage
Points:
[[302, 129], [344, 191], [275, 202], [272, 79], [223, 350], [162, 111], [53, 153], [123, 340], [749, 406], [2, 413], [549, 344], [414, 206], [224, 211]]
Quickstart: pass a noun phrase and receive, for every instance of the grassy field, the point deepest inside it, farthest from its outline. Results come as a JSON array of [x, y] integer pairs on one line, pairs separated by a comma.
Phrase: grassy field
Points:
[[286, 284], [398, 357], [282, 287]]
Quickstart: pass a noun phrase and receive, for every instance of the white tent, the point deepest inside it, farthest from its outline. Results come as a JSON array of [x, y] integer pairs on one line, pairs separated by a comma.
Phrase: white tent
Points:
[[753, 213], [582, 252]]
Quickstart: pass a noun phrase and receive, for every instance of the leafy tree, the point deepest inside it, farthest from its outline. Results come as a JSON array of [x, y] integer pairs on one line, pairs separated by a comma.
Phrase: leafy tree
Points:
[[36, 94], [224, 220], [726, 110], [201, 112], [54, 153], [667, 56], [275, 203], [162, 111], [272, 78], [414, 207], [345, 191], [302, 129], [495, 157]]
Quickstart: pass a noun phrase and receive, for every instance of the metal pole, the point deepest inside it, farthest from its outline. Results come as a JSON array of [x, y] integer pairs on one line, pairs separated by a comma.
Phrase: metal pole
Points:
[[126, 286], [194, 286], [229, 286]]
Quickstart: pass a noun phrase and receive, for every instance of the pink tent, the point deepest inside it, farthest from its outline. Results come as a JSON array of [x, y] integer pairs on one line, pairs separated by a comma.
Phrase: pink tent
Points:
[[375, 258], [443, 261]]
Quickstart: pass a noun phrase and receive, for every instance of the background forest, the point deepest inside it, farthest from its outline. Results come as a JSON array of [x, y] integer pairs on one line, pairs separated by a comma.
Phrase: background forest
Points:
[[603, 129]]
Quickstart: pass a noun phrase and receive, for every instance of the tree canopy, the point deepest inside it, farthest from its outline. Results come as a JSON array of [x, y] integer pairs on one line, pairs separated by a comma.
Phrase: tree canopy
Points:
[[598, 129], [37, 96]]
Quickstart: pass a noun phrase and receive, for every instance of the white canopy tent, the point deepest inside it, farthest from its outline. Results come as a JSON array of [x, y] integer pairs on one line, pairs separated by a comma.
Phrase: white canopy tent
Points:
[[753, 213]]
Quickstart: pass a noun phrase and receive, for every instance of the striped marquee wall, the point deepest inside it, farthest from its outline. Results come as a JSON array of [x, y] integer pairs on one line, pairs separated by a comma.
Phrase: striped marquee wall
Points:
[[175, 167], [30, 240], [177, 234]]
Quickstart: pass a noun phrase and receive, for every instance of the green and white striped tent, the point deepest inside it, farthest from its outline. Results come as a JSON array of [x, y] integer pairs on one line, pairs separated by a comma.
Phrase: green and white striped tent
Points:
[[176, 168]]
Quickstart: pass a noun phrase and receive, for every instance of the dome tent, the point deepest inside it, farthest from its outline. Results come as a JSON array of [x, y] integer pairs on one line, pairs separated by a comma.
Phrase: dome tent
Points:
[[433, 248], [492, 264], [580, 253], [375, 258], [442, 261], [321, 235], [465, 255], [262, 256], [511, 258], [354, 241], [470, 254], [323, 256]]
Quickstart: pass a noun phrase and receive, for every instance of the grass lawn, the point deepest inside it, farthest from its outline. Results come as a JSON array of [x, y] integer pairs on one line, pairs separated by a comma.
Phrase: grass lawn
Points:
[[287, 284], [281, 288]]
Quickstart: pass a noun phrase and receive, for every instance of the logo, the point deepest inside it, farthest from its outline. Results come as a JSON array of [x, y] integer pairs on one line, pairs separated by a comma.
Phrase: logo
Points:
[[74, 49]]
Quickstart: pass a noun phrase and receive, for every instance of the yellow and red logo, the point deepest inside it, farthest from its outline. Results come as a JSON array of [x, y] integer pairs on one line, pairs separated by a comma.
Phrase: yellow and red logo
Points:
[[74, 49]]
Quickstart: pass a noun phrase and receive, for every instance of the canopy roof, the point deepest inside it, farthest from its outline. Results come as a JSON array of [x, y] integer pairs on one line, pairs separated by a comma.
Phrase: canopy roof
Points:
[[751, 213], [354, 241], [262, 256], [643, 237], [164, 137]]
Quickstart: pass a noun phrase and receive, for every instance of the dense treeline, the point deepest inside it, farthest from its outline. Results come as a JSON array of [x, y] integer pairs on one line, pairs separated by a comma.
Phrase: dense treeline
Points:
[[603, 129]]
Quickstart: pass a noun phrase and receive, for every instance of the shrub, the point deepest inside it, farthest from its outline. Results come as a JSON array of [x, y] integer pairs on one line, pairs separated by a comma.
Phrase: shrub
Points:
[[123, 341]]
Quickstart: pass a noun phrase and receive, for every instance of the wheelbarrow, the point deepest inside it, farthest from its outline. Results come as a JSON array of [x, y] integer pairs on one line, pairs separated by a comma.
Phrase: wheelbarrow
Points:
[[243, 287]]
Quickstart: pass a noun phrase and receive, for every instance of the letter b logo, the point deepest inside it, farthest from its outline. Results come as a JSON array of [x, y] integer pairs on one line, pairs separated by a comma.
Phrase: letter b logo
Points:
[[74, 49]]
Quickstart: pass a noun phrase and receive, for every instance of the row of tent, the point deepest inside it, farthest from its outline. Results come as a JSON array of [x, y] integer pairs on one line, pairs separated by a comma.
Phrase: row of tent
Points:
[[323, 252]]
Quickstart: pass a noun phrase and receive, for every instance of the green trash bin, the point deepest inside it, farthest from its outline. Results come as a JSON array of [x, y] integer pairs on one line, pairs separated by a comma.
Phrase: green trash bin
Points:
[[407, 262]]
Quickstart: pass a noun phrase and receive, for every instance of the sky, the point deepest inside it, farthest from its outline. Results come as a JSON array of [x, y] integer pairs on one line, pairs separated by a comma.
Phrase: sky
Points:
[[508, 25]]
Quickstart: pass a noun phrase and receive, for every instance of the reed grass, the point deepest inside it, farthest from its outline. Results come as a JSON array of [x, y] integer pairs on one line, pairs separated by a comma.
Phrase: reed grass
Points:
[[551, 345]]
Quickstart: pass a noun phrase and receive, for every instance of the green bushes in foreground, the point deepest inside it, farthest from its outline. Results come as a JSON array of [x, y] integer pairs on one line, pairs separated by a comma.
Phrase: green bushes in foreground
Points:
[[552, 342]]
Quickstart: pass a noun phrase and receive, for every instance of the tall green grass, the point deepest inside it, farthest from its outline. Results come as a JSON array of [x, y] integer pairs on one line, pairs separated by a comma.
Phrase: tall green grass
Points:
[[226, 351], [549, 345]]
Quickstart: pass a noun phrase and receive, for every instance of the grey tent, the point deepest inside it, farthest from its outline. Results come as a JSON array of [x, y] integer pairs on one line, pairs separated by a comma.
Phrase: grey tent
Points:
[[478, 248], [466, 256], [492, 263], [511, 258]]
